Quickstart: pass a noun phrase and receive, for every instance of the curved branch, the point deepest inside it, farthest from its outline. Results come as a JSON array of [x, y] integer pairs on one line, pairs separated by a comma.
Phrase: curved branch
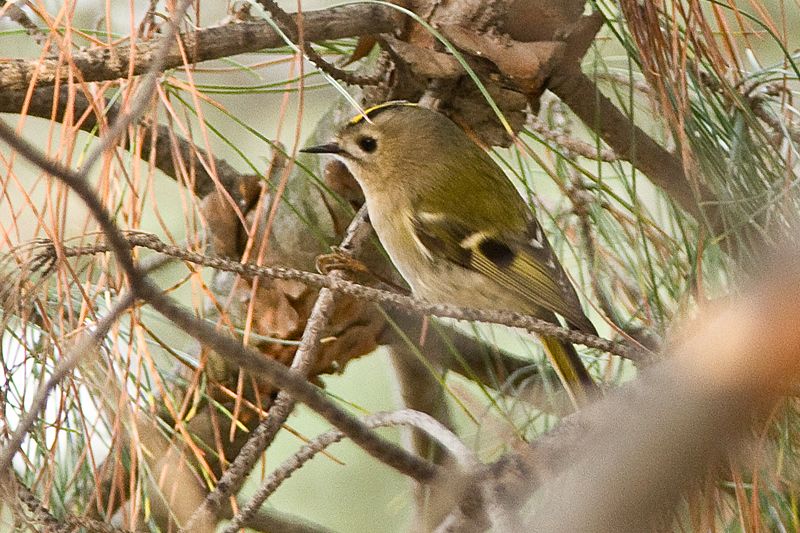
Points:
[[406, 417], [295, 32], [270, 520]]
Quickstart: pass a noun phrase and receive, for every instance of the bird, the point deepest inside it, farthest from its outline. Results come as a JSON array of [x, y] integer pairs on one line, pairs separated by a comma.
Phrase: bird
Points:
[[455, 226]]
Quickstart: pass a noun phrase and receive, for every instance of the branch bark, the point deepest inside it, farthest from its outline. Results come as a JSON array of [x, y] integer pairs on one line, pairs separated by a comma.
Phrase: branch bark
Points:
[[99, 64], [380, 296]]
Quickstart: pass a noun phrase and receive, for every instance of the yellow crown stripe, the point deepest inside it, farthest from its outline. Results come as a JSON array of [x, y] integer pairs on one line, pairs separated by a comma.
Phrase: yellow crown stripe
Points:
[[370, 112]]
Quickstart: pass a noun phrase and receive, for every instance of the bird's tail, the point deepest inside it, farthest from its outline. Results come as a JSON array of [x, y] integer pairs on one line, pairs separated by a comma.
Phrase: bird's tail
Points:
[[568, 365]]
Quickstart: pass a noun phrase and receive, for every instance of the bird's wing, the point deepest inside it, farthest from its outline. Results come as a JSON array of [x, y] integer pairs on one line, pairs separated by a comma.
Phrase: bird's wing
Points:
[[522, 263]]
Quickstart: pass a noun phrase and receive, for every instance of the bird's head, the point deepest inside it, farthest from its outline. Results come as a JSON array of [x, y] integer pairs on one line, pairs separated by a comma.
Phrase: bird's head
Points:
[[390, 141]]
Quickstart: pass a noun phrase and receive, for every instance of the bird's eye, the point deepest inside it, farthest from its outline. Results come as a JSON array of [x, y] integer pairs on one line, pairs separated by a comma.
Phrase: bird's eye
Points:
[[368, 144]]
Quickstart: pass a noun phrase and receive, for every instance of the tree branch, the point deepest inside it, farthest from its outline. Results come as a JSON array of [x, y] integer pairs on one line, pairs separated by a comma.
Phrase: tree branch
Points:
[[272, 520], [98, 64], [229, 348], [479, 360], [296, 32], [433, 428], [646, 443], [395, 300], [44, 517], [628, 141]]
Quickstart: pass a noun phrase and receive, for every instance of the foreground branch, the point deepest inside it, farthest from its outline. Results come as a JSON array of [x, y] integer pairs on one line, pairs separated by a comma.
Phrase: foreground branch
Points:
[[407, 417], [233, 478], [624, 463]]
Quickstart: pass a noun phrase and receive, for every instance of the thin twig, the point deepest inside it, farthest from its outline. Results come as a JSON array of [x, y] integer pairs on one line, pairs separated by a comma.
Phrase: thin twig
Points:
[[14, 12], [571, 144], [234, 476], [380, 296], [631, 143], [145, 93], [67, 364], [406, 417], [165, 146], [625, 79], [272, 520], [289, 26]]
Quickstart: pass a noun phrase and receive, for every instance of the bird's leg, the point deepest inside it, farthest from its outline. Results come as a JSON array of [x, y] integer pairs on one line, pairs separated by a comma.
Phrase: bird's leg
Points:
[[339, 259]]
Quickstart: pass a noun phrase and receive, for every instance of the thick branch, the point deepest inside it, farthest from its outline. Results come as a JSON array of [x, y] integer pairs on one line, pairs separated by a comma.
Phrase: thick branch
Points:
[[623, 463], [98, 64]]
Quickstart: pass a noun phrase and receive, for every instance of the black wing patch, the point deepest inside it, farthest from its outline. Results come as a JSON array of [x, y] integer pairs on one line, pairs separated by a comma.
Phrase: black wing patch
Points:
[[527, 266], [497, 252]]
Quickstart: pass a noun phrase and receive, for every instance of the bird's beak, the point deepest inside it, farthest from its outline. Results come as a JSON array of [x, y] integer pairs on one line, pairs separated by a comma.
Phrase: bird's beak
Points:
[[328, 148]]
